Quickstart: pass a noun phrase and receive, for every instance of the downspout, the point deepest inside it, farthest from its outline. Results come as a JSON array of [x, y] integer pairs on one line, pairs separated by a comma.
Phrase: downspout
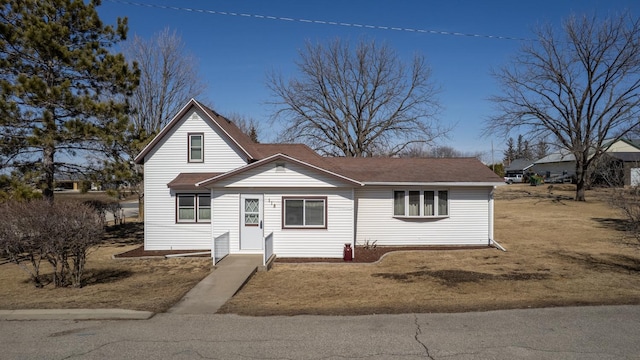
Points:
[[354, 221], [492, 242]]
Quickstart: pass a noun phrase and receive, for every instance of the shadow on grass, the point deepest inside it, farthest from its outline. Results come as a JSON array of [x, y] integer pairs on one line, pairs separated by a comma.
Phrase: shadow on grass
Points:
[[618, 263], [613, 223], [93, 277], [126, 234], [452, 278], [105, 276]]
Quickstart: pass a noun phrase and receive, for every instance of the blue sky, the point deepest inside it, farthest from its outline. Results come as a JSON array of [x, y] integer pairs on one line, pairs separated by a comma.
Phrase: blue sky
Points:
[[236, 51]]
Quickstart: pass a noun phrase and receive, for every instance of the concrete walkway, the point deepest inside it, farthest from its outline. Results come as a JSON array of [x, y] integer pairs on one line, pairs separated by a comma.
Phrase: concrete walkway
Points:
[[219, 286]]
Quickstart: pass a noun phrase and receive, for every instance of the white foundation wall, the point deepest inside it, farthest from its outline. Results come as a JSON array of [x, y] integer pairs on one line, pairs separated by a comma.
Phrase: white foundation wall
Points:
[[163, 164], [467, 224], [288, 242]]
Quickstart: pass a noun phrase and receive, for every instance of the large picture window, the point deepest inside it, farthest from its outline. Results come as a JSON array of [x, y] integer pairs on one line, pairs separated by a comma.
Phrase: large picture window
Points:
[[193, 208], [196, 147], [304, 213], [425, 203]]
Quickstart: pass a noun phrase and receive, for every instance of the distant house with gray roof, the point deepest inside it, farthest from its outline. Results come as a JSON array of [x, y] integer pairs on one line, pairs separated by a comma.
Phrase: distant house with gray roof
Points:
[[563, 164]]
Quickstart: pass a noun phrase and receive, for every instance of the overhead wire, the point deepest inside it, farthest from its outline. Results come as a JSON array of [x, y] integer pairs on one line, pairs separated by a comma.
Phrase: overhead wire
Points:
[[320, 22]]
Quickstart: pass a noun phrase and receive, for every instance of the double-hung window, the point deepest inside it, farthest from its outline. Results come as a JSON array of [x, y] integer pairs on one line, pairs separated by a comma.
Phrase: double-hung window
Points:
[[192, 208], [421, 203], [196, 147], [304, 213]]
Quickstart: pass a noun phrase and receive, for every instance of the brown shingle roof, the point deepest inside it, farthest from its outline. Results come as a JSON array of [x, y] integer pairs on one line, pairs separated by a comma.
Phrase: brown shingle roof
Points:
[[187, 181], [233, 131], [414, 170]]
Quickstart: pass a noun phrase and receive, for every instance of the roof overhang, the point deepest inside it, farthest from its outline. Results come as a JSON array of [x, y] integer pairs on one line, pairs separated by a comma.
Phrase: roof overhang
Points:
[[273, 158], [188, 181], [437, 184]]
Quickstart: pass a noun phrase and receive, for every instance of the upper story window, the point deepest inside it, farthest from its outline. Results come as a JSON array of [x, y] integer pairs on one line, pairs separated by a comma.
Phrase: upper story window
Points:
[[196, 147], [421, 203]]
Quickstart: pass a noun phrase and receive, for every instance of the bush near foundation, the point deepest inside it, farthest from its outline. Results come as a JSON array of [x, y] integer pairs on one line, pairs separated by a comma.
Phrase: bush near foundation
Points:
[[59, 233]]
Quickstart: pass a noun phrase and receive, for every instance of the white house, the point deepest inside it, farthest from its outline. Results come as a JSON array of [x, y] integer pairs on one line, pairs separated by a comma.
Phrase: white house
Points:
[[208, 186]]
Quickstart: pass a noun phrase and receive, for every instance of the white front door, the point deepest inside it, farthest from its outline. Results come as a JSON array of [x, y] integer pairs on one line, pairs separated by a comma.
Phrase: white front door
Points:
[[251, 227]]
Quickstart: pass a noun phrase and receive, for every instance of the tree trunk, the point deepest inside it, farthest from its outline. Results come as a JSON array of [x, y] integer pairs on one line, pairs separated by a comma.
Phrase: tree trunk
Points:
[[581, 173], [48, 167]]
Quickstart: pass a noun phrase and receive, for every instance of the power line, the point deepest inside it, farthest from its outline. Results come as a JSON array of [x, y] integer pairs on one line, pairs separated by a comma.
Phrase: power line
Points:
[[320, 22]]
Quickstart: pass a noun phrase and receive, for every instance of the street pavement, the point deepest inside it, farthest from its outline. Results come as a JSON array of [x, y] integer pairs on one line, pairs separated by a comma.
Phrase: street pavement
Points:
[[130, 209], [608, 332]]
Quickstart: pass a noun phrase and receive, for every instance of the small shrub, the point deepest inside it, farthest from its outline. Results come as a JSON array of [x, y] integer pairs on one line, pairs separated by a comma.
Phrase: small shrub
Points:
[[628, 202], [61, 233]]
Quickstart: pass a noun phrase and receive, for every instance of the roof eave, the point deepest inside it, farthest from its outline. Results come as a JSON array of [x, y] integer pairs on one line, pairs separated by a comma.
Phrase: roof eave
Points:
[[435, 183], [271, 159]]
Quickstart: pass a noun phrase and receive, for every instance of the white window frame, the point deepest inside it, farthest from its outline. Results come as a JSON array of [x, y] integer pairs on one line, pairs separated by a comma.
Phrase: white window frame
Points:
[[304, 215], [197, 208], [190, 148], [421, 205]]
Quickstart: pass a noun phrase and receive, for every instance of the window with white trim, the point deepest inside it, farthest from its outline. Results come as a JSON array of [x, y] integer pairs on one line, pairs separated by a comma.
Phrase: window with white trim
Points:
[[421, 203], [304, 212], [193, 208], [196, 147]]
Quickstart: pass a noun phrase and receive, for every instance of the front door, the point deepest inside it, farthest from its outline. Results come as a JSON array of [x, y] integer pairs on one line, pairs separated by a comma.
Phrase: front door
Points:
[[251, 227]]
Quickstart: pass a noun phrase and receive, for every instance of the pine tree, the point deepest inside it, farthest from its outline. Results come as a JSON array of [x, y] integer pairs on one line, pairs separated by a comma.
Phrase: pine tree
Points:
[[510, 152], [62, 92]]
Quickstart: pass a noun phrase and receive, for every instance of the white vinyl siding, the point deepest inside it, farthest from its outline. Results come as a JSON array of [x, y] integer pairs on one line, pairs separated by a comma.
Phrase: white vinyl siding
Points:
[[306, 242], [274, 174], [467, 222], [163, 164]]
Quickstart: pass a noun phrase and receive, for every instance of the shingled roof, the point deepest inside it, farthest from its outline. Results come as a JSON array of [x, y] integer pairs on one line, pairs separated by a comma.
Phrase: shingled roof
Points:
[[374, 170], [414, 170]]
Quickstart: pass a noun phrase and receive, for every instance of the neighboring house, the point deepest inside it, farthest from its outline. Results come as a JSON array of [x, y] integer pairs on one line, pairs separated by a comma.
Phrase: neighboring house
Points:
[[564, 164], [207, 185], [556, 164], [517, 167]]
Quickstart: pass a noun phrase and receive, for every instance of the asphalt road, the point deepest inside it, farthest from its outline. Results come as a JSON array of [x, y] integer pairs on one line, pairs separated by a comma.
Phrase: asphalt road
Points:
[[130, 209], [556, 333]]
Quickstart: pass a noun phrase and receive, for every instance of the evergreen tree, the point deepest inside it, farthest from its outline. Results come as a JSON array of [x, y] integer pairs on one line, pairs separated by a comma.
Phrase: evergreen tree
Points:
[[510, 153], [62, 92], [542, 149]]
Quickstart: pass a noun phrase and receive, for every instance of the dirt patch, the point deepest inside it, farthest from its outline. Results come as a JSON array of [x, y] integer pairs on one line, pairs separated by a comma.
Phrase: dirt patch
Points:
[[368, 254], [140, 252], [456, 277]]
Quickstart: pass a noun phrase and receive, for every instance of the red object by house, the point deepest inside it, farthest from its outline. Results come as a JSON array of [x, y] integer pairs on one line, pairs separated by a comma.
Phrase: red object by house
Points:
[[347, 253]]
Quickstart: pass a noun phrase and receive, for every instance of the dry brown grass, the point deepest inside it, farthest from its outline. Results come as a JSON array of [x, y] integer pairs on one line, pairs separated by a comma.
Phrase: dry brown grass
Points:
[[147, 284], [560, 253]]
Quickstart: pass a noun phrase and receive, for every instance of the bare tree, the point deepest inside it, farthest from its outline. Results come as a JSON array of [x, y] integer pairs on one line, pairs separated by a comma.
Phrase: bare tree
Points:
[[247, 125], [438, 151], [580, 89], [168, 79], [360, 101]]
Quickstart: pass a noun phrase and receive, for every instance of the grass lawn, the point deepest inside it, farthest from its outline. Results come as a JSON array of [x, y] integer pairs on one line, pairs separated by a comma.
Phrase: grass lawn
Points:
[[140, 284], [560, 253]]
